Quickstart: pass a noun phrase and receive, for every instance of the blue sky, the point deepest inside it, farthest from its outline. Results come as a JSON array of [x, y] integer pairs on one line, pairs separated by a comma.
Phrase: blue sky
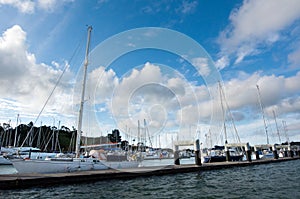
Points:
[[250, 43]]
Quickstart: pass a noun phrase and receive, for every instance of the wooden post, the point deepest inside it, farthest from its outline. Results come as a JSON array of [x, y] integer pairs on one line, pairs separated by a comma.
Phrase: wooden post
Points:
[[29, 156], [285, 153], [176, 156], [256, 153], [291, 154], [227, 153], [275, 152], [248, 152], [197, 153]]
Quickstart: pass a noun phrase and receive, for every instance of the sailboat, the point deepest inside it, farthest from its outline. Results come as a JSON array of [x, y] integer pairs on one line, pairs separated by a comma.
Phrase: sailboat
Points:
[[63, 165], [266, 153], [218, 154], [3, 155]]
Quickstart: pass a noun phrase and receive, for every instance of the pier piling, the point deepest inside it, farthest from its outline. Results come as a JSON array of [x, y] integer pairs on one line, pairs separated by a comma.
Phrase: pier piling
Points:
[[291, 154], [197, 153], [248, 152], [257, 155], [227, 153], [275, 152], [176, 156], [285, 153]]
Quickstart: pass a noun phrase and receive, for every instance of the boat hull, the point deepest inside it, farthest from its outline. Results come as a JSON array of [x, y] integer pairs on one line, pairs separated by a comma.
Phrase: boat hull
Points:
[[208, 159], [121, 165], [56, 166], [68, 165], [4, 161]]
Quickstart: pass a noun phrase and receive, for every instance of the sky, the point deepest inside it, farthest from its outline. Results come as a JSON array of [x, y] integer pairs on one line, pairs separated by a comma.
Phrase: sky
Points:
[[159, 71]]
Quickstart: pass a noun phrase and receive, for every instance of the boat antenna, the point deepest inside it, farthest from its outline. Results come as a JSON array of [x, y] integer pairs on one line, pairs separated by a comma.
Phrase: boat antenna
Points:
[[77, 150]]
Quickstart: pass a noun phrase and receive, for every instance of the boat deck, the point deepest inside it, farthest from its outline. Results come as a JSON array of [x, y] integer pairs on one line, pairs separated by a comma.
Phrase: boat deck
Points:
[[14, 181]]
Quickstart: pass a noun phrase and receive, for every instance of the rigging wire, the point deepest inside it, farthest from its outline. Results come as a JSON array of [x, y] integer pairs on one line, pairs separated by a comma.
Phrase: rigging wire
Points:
[[51, 93]]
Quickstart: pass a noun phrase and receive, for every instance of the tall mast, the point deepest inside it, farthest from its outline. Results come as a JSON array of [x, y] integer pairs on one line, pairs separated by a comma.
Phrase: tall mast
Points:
[[277, 126], [147, 131], [263, 114], [223, 111], [15, 140], [77, 150], [139, 131], [285, 131]]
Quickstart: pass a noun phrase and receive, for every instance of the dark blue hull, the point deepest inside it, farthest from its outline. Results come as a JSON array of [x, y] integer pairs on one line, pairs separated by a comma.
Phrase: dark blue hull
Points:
[[208, 159]]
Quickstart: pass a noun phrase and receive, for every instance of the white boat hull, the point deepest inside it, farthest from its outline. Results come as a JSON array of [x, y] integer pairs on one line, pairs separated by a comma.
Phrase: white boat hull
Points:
[[57, 166], [121, 165], [4, 161], [66, 166]]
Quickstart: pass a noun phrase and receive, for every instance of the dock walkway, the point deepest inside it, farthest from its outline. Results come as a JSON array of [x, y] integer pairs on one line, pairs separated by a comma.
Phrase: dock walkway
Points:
[[15, 181]]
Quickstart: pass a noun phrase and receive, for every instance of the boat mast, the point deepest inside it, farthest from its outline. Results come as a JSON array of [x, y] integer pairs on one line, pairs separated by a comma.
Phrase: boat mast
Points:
[[15, 140], [77, 150], [277, 126], [147, 131], [223, 111], [263, 114], [285, 131]]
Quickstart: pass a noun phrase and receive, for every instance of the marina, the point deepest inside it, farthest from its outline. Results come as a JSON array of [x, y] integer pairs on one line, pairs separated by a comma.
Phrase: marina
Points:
[[279, 180], [15, 181], [150, 99]]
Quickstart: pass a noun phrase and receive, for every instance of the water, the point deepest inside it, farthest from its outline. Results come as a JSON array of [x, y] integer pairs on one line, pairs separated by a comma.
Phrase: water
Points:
[[276, 180]]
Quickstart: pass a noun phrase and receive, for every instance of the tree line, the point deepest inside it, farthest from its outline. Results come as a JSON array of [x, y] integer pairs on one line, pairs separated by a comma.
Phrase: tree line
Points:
[[46, 138], [49, 138]]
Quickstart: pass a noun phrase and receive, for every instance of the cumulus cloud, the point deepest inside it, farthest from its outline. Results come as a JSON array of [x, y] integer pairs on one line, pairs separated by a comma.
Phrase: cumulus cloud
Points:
[[170, 102], [27, 82], [256, 23], [156, 93], [140, 94], [202, 66], [24, 6], [47, 5], [294, 58], [275, 91], [29, 6]]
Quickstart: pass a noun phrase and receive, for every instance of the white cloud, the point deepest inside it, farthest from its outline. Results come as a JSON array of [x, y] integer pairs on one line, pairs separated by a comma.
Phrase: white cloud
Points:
[[171, 102], [47, 5], [255, 23], [24, 81], [222, 62], [242, 92], [29, 6], [145, 93], [101, 84], [202, 66], [24, 6], [188, 7], [51, 5], [294, 58]]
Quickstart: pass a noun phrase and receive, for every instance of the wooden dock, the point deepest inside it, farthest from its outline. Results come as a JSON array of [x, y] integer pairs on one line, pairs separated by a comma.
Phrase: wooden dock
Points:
[[15, 181]]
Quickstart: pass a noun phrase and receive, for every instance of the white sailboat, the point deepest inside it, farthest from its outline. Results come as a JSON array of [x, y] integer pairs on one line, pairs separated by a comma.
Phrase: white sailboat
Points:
[[267, 153], [61, 165], [4, 161], [3, 152], [218, 153]]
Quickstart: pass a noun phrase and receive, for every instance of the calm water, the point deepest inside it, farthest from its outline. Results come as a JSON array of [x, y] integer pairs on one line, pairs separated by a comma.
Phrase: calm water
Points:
[[277, 180]]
